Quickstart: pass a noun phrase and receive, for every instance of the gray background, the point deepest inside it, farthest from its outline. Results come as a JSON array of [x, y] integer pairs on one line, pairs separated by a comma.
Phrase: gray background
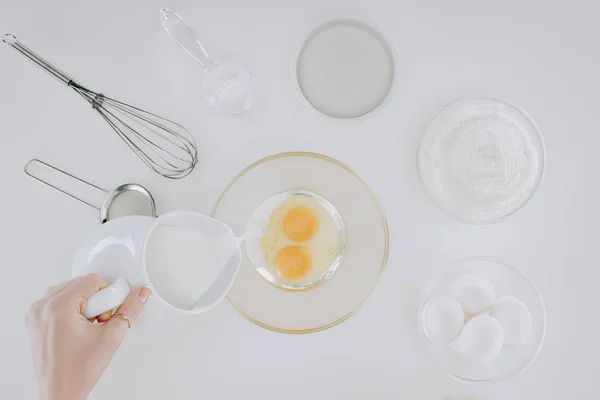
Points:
[[540, 55]]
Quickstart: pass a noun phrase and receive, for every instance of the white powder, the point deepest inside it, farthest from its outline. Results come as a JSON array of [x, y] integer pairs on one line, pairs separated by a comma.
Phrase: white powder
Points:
[[345, 69], [481, 159]]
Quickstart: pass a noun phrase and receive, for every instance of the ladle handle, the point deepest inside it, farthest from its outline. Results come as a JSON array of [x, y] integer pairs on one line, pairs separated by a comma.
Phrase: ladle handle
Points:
[[107, 298], [184, 36], [38, 170]]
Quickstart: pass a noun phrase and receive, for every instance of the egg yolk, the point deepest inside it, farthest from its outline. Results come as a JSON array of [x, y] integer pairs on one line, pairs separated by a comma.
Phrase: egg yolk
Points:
[[300, 224], [293, 262]]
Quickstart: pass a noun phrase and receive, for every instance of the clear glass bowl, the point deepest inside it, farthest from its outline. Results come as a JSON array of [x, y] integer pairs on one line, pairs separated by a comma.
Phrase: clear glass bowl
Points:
[[312, 101], [507, 281], [365, 254], [317, 275], [469, 110]]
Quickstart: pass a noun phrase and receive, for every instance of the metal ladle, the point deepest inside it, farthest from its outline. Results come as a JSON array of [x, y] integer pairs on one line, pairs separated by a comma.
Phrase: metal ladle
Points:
[[110, 195]]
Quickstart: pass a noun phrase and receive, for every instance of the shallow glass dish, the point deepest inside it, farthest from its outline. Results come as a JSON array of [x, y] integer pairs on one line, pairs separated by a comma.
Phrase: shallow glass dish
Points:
[[478, 112], [329, 89], [507, 281], [365, 254], [317, 275]]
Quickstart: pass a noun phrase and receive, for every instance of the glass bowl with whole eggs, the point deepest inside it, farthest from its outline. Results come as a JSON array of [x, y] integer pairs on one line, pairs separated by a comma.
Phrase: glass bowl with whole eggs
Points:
[[481, 321], [315, 241]]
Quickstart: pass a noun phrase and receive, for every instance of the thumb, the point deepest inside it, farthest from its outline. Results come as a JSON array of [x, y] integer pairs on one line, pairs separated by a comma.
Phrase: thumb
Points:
[[131, 308]]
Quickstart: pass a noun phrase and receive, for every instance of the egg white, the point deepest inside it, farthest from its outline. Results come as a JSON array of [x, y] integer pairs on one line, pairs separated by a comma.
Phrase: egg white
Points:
[[325, 247]]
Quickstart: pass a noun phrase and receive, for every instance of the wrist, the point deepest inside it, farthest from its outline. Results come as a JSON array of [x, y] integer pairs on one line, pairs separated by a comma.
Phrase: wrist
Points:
[[53, 392]]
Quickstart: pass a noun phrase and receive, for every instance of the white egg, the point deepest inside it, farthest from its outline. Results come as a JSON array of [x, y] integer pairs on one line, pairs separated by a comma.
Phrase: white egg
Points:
[[475, 294], [480, 340], [515, 319], [443, 319]]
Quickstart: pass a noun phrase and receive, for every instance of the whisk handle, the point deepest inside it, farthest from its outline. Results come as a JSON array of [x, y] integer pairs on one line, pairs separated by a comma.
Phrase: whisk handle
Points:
[[12, 41]]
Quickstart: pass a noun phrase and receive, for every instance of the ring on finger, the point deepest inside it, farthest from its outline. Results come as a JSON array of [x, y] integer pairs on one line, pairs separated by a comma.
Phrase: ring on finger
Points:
[[125, 317]]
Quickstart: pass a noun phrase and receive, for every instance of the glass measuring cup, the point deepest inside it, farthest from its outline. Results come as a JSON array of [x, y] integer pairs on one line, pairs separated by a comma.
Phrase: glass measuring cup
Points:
[[226, 82], [188, 260]]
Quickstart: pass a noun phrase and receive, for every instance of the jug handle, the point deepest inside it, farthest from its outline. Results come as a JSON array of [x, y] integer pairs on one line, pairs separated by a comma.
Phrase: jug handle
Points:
[[107, 298]]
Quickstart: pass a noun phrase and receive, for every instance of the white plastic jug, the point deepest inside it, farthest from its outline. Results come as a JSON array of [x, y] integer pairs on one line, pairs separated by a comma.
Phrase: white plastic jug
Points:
[[189, 261]]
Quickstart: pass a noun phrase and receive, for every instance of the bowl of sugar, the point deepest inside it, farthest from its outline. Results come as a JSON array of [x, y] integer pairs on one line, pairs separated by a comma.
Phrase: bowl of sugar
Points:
[[344, 68]]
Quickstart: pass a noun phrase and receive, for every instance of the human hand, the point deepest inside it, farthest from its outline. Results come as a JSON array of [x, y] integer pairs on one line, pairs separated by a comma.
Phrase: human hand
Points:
[[70, 352]]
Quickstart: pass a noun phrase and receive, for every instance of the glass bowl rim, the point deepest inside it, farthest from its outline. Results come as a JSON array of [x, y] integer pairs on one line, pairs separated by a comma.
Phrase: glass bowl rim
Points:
[[384, 228], [370, 24], [538, 295], [536, 134]]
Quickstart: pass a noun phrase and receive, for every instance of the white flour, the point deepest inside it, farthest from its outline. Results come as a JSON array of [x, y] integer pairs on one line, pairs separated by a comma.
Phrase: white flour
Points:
[[345, 69], [481, 160]]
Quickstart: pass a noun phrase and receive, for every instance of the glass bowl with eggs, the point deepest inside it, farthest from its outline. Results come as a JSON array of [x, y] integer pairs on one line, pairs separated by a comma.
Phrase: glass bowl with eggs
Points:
[[315, 241], [481, 321]]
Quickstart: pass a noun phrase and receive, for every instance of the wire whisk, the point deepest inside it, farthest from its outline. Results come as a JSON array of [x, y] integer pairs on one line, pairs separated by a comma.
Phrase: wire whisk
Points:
[[163, 145]]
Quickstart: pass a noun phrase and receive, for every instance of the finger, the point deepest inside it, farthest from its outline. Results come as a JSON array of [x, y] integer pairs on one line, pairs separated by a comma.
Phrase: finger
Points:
[[104, 316], [130, 310], [80, 291], [54, 290], [85, 287]]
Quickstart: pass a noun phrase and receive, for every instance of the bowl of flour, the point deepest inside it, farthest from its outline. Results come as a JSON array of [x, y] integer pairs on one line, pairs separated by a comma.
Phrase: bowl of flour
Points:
[[481, 159]]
